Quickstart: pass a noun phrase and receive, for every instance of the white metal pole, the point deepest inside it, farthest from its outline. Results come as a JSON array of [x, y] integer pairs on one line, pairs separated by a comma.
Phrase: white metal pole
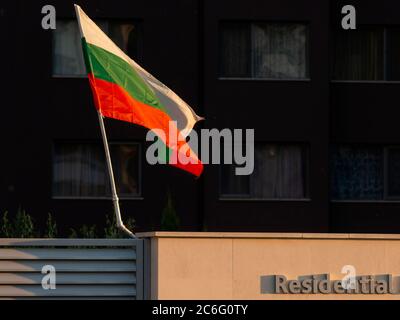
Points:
[[115, 199]]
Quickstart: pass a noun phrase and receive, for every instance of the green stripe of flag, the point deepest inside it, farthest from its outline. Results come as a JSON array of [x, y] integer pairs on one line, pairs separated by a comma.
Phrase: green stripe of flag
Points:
[[109, 67]]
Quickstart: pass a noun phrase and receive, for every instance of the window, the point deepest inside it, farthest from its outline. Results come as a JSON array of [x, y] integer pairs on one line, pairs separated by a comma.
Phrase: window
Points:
[[279, 173], [367, 53], [393, 173], [357, 173], [80, 170], [365, 173], [263, 50], [67, 50]]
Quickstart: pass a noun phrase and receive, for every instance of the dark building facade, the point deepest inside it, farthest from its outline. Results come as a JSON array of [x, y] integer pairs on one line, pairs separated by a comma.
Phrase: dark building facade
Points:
[[322, 102]]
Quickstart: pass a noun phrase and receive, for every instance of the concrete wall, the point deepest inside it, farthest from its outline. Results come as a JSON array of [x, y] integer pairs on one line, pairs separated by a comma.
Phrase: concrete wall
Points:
[[230, 265]]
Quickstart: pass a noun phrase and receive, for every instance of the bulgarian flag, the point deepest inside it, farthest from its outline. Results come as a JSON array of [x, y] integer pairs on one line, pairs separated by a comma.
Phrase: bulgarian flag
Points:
[[125, 91]]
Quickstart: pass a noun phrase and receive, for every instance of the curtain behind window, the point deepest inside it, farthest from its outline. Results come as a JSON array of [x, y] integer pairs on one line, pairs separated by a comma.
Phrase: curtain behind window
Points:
[[359, 54], [233, 185], [120, 33], [357, 173], [67, 50], [80, 170], [279, 51], [234, 49], [393, 172], [279, 173], [264, 50], [393, 53], [125, 159]]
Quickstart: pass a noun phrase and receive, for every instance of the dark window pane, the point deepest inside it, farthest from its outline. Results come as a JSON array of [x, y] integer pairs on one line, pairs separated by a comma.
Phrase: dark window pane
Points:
[[357, 173], [127, 37], [125, 160], [279, 51], [67, 50], [235, 50], [233, 185], [264, 50], [79, 170], [359, 54], [279, 173], [393, 53], [393, 172]]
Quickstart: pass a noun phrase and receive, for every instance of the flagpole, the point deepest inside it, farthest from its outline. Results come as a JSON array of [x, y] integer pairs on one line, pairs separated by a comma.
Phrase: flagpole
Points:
[[114, 194]]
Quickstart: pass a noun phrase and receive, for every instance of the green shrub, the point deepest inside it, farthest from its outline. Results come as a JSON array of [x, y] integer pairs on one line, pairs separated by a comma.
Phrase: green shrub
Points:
[[88, 232], [73, 234], [111, 231], [84, 232], [23, 225], [130, 223], [51, 227], [6, 230], [169, 219]]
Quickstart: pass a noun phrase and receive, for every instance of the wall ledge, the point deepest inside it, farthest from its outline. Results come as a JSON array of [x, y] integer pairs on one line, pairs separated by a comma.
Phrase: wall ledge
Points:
[[262, 235]]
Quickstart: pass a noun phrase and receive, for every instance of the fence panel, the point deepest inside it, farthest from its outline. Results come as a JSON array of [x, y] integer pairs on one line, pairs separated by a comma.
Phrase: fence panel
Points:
[[84, 269]]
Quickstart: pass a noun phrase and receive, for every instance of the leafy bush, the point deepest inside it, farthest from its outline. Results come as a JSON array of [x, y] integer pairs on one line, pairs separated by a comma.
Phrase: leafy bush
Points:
[[88, 232], [51, 227], [23, 225], [73, 234], [111, 231], [6, 230], [170, 220], [84, 232]]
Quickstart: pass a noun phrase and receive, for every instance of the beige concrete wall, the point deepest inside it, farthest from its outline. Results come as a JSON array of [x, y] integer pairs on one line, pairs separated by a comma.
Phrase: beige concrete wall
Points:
[[230, 265]]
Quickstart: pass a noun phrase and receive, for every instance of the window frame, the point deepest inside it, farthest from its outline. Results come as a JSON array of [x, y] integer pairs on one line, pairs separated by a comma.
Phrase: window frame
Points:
[[138, 196], [250, 26], [137, 23], [305, 148]]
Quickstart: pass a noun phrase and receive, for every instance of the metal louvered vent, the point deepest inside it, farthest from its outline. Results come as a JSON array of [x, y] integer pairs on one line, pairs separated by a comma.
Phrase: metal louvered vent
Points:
[[84, 269]]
